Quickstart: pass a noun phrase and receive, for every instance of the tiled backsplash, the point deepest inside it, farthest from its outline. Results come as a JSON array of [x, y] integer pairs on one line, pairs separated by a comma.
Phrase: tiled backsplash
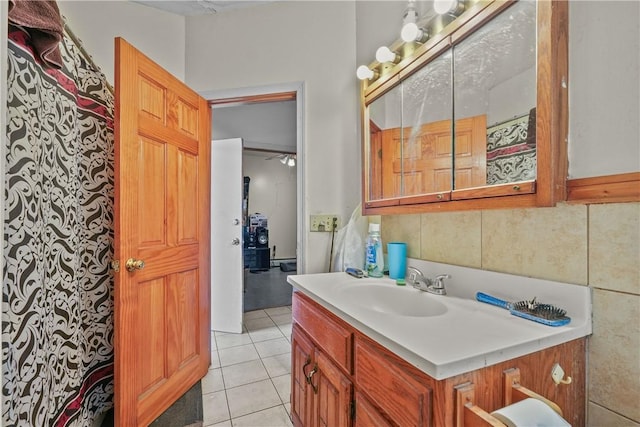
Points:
[[595, 245]]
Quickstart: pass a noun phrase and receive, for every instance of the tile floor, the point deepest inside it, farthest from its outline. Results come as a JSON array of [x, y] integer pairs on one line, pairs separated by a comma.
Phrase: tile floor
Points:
[[249, 380]]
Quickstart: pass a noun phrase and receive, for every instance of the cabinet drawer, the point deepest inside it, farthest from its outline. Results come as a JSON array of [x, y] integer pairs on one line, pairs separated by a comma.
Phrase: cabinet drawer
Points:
[[403, 399], [332, 336]]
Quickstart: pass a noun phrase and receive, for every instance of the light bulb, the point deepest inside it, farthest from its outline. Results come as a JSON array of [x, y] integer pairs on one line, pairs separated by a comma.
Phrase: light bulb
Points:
[[284, 159], [412, 33], [291, 162], [363, 72], [384, 54], [409, 32], [444, 6]]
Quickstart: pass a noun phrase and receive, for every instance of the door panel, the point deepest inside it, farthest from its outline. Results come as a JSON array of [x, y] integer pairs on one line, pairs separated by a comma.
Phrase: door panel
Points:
[[425, 165], [334, 394], [162, 331], [302, 355], [227, 274]]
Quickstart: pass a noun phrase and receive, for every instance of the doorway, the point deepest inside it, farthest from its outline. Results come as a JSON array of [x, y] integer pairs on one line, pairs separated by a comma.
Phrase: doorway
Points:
[[269, 121]]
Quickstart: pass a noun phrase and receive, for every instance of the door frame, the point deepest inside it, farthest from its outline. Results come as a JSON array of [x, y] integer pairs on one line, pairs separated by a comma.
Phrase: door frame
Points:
[[249, 93]]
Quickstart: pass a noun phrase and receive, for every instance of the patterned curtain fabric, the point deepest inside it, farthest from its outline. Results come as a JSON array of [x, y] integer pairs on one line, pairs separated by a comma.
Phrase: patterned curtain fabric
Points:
[[57, 306]]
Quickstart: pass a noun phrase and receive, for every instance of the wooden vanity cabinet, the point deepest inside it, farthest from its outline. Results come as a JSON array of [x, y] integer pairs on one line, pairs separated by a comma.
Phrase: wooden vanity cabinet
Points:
[[356, 381], [321, 364], [321, 394]]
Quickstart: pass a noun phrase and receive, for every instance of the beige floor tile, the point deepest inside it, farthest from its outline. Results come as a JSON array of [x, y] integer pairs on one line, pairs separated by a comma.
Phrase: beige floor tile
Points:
[[266, 334], [222, 424], [258, 324], [239, 354], [252, 397], [215, 360], [283, 387], [273, 347], [282, 319], [212, 381], [272, 417], [286, 331], [256, 314], [214, 345], [278, 310], [214, 408], [244, 373], [278, 365], [233, 340]]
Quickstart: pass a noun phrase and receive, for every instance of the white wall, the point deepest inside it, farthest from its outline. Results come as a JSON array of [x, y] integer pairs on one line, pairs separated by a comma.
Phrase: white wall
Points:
[[272, 192], [283, 42], [159, 34], [604, 88], [263, 126]]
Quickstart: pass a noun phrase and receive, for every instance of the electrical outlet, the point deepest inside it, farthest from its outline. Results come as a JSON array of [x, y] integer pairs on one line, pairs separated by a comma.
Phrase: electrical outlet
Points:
[[324, 222]]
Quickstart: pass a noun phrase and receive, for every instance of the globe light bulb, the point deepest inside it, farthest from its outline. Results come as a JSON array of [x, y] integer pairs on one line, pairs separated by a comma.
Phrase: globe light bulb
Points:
[[444, 6], [410, 32], [363, 72], [384, 54]]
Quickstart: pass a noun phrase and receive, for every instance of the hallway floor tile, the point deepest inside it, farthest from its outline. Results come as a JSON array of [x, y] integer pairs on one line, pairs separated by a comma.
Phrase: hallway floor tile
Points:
[[249, 381]]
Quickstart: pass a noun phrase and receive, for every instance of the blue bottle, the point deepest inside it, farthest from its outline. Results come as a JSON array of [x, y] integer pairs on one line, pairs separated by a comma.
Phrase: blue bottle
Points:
[[374, 257]]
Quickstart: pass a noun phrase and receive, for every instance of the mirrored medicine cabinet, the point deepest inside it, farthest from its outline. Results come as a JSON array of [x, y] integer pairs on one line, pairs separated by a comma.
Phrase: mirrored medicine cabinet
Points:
[[474, 118]]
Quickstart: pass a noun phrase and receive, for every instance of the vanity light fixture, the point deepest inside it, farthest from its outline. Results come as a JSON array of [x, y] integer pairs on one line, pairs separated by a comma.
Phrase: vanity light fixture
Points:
[[365, 73], [410, 31], [451, 7], [384, 54]]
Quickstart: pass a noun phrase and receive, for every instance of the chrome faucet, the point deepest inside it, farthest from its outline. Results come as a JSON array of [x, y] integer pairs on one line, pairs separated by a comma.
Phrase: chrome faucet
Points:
[[419, 281]]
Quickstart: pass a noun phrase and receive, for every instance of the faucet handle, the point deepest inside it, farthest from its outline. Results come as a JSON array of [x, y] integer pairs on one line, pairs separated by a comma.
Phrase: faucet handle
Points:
[[438, 281], [415, 275]]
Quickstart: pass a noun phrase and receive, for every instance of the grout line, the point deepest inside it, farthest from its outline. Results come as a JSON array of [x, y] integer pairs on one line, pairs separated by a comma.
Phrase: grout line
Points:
[[269, 377]]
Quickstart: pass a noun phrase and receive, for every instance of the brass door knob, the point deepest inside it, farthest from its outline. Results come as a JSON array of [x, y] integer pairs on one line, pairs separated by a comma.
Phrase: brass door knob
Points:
[[134, 264]]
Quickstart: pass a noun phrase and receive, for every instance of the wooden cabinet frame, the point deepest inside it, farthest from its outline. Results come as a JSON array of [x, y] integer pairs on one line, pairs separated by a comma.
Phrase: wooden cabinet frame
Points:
[[550, 185]]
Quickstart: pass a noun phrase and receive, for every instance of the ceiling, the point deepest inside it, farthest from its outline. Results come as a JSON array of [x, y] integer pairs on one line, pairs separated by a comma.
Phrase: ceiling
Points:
[[198, 7]]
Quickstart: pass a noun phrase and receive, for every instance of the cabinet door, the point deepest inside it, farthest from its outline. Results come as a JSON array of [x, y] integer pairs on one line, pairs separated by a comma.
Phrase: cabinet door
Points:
[[401, 396], [367, 415], [302, 362], [334, 391]]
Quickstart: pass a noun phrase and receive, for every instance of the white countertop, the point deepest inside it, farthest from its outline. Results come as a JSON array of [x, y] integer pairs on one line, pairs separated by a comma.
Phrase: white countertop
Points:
[[470, 334]]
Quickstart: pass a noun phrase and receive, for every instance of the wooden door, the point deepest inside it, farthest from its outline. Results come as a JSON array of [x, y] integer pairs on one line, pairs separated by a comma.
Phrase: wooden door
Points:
[[302, 363], [162, 157], [424, 165], [471, 152], [333, 394]]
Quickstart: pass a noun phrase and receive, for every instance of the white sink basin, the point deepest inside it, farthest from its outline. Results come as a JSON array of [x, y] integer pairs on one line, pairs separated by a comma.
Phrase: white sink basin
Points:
[[396, 300]]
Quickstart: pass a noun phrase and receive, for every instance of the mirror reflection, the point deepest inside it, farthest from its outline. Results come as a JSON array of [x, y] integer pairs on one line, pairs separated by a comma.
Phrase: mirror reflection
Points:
[[495, 98], [482, 91], [427, 129], [385, 121]]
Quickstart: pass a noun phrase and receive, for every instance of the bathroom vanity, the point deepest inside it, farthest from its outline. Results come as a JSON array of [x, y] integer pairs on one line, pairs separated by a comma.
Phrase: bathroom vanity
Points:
[[366, 352]]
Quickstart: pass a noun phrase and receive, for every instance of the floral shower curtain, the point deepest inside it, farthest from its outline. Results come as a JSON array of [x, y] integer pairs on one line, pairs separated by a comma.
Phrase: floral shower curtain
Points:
[[57, 308]]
